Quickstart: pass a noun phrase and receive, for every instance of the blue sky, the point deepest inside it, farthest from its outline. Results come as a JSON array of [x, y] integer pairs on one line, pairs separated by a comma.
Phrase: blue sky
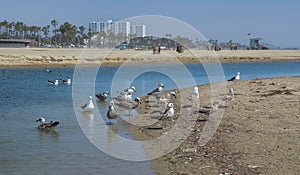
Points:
[[277, 22]]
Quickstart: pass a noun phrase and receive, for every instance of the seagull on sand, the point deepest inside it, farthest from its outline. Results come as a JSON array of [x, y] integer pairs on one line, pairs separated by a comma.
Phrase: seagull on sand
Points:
[[126, 94], [42, 125], [194, 96], [169, 113], [230, 96], [51, 82], [102, 96], [157, 92], [210, 109], [88, 107], [237, 77], [112, 113], [166, 99]]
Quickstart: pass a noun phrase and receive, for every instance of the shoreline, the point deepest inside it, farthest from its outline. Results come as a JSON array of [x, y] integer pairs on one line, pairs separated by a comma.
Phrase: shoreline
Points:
[[44, 57], [256, 135]]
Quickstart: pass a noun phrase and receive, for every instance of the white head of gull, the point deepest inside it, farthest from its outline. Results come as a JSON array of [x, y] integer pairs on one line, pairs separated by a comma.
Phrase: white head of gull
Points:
[[88, 107]]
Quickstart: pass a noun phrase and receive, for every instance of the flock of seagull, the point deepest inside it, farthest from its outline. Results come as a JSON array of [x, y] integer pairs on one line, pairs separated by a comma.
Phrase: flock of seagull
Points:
[[125, 101]]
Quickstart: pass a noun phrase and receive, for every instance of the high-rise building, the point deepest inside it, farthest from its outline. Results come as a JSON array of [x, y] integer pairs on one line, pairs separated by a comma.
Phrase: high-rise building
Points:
[[138, 30], [106, 26], [122, 27], [94, 27]]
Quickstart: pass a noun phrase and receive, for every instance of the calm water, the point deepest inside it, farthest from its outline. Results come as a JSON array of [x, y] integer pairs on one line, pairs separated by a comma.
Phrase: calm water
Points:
[[25, 96]]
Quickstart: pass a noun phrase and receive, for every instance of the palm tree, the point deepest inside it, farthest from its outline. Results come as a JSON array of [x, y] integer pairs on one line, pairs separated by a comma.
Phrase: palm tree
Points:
[[54, 23], [45, 31]]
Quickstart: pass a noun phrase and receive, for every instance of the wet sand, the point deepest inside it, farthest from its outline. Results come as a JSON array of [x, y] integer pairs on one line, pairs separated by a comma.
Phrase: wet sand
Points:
[[258, 134], [14, 57]]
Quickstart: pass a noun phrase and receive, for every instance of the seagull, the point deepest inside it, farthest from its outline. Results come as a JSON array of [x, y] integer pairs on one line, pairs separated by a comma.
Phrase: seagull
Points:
[[42, 125], [102, 96], [48, 70], [169, 113], [112, 113], [194, 96], [67, 81], [211, 109], [51, 82], [89, 107], [230, 96], [130, 104], [126, 94], [237, 77], [130, 90], [166, 99], [157, 92]]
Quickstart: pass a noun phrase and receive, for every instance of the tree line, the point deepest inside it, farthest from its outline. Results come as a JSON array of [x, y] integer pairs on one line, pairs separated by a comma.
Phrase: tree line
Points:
[[63, 35]]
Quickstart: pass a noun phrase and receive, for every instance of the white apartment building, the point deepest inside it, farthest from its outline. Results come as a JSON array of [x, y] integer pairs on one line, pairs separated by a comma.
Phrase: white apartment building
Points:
[[118, 27], [138, 30]]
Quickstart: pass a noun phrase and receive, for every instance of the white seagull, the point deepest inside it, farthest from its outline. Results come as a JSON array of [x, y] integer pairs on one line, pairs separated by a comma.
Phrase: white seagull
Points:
[[237, 77], [42, 125], [112, 113], [51, 82], [194, 96], [169, 113], [89, 107]]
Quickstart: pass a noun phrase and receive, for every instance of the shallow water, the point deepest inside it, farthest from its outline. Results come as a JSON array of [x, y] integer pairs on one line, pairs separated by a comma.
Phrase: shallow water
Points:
[[26, 95]]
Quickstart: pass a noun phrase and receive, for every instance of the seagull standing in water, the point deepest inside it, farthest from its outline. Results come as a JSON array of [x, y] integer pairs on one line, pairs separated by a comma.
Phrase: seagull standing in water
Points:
[[88, 107], [112, 113], [102, 96], [237, 77], [42, 125], [169, 113]]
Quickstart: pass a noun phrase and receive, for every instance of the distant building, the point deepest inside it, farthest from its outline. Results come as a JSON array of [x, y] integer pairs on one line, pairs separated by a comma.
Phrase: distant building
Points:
[[94, 27], [118, 27], [121, 27], [138, 30], [106, 26], [14, 43]]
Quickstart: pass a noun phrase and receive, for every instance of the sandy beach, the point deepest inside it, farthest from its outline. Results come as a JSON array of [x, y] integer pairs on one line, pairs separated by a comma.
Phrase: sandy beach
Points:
[[258, 134], [12, 57]]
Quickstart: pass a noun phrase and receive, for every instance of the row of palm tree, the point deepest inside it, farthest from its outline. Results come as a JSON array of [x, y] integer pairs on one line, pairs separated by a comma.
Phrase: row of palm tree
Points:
[[64, 35]]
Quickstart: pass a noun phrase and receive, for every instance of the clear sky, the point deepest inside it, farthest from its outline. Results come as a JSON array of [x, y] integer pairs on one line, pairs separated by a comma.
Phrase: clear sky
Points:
[[276, 21]]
